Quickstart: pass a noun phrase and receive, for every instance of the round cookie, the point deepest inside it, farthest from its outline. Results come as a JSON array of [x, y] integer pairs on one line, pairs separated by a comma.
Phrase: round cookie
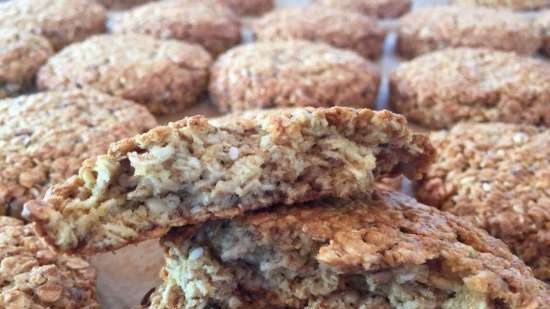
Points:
[[61, 21], [342, 29], [249, 7], [439, 89], [292, 73], [517, 5], [21, 55], [378, 8], [543, 22], [166, 76], [33, 276], [45, 137], [434, 28], [208, 23], [497, 176], [121, 4]]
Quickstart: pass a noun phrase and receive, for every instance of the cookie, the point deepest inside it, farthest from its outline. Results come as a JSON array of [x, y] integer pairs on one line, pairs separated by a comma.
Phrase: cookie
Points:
[[517, 5], [292, 73], [121, 4], [166, 76], [386, 252], [45, 137], [21, 55], [439, 89], [377, 8], [497, 176], [249, 7], [342, 29], [61, 21], [208, 23], [33, 276], [196, 170], [543, 22], [434, 28]]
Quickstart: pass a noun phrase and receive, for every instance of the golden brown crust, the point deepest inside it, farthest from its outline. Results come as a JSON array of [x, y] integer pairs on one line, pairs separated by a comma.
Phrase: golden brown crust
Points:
[[496, 176], [61, 21], [439, 89], [249, 7], [292, 73], [33, 276], [517, 5], [121, 4], [166, 76], [377, 8], [207, 22], [435, 28], [543, 23], [194, 170], [45, 137]]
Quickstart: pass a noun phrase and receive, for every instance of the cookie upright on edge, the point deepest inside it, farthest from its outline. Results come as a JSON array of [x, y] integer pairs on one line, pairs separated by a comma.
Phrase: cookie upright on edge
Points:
[[442, 88], [497, 176], [342, 29], [166, 76], [207, 22], [376, 8], [434, 28], [292, 73], [32, 276], [61, 21], [518, 5], [21, 55], [249, 7], [45, 137], [195, 170], [543, 23], [383, 253]]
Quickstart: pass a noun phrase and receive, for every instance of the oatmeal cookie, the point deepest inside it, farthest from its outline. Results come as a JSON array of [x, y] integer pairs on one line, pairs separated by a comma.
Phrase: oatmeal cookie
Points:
[[383, 253], [249, 7], [196, 170], [166, 76], [207, 22], [121, 4], [21, 55], [496, 176], [61, 21], [543, 22], [517, 5], [342, 29], [442, 88], [45, 137], [32, 276], [377, 8], [292, 73], [434, 28]]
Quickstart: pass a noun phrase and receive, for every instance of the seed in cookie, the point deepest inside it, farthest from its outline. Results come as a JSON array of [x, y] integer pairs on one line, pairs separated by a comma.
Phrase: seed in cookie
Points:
[[61, 21], [292, 73], [439, 89], [33, 276], [46, 136], [207, 22], [342, 29], [21, 55], [543, 23], [381, 253], [249, 7], [517, 5], [434, 28], [376, 8], [196, 170], [166, 76], [497, 176]]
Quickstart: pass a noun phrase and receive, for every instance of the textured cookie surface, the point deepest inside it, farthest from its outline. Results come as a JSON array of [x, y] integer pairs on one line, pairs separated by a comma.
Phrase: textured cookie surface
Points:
[[166, 76], [543, 22], [121, 4], [388, 252], [61, 21], [342, 29], [497, 176], [249, 7], [519, 5], [21, 54], [194, 170], [377, 8], [434, 28], [442, 88], [292, 73], [32, 276], [45, 137], [208, 23]]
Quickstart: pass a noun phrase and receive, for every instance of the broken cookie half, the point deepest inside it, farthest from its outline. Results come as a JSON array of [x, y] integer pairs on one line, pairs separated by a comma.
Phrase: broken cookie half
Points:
[[196, 170], [384, 252]]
